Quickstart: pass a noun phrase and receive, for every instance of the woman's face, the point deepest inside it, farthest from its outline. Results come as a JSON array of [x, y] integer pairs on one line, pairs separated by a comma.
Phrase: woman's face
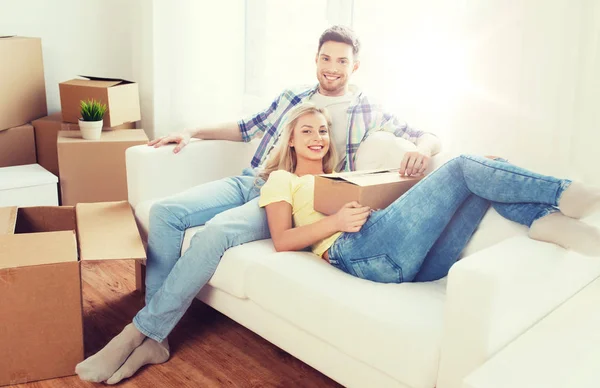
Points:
[[310, 137]]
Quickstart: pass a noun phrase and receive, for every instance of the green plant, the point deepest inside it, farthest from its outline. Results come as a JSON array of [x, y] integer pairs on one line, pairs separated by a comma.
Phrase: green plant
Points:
[[92, 110]]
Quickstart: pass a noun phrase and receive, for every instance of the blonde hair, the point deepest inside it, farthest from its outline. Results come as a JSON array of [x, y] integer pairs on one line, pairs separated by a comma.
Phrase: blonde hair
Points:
[[283, 157]]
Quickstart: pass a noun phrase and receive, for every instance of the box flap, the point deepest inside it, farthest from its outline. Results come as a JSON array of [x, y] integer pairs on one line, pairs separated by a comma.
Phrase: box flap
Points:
[[6, 36], [90, 83], [22, 250], [108, 231], [8, 219], [119, 81], [370, 177]]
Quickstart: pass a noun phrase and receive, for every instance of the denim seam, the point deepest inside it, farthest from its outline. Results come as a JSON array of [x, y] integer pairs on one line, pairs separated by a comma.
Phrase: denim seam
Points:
[[508, 171]]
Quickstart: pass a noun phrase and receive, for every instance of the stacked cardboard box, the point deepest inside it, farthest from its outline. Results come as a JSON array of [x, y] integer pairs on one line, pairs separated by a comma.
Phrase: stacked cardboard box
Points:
[[94, 170], [22, 98]]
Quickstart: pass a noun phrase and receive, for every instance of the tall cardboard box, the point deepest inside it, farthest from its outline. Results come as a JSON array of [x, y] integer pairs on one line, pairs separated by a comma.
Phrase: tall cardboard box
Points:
[[94, 170], [46, 134], [22, 85], [374, 188], [41, 331], [17, 146], [120, 96]]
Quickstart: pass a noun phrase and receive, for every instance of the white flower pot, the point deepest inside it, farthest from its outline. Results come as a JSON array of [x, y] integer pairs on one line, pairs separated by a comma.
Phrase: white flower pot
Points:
[[90, 130]]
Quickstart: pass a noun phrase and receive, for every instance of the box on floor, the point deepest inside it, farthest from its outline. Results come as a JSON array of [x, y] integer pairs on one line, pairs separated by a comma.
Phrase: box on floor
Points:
[[120, 96], [375, 188], [28, 185], [23, 91], [94, 170], [46, 134], [17, 146], [41, 309]]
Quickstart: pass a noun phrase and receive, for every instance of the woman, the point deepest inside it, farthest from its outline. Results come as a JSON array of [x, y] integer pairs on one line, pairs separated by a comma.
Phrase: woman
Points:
[[420, 235]]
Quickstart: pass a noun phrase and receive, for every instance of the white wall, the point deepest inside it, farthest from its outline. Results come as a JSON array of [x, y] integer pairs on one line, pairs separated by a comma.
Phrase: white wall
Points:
[[91, 37], [507, 77], [198, 59]]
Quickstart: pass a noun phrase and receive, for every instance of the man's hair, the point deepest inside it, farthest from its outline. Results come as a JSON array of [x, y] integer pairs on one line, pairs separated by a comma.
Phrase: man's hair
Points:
[[340, 34]]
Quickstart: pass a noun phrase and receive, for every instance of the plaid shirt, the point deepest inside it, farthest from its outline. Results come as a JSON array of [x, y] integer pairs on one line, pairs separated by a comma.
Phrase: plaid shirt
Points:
[[364, 117]]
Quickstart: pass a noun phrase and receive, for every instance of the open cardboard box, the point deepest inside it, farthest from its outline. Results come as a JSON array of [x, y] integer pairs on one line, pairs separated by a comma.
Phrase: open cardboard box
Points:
[[120, 96], [40, 283], [374, 188]]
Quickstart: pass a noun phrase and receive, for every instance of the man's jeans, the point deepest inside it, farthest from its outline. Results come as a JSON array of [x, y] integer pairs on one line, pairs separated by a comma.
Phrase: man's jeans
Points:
[[229, 210], [421, 234]]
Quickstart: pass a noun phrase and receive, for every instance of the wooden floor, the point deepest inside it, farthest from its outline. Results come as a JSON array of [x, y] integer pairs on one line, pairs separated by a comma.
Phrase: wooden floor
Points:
[[207, 348]]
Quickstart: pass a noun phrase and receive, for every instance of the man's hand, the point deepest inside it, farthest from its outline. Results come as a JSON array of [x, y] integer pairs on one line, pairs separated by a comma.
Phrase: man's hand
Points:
[[414, 163], [351, 217], [181, 139]]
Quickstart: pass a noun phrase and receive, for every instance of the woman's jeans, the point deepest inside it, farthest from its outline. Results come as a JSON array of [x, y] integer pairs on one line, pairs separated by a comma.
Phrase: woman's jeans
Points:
[[229, 209], [420, 235]]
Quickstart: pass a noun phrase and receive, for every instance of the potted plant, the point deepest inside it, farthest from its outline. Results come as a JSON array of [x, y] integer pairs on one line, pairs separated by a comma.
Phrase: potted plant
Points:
[[90, 123]]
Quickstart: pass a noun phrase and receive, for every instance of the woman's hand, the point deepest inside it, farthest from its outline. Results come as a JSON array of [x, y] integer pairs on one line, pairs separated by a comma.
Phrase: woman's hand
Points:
[[351, 217], [181, 139]]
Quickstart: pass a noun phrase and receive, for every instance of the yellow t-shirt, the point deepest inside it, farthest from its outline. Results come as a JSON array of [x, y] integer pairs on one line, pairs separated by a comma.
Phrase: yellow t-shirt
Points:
[[298, 192]]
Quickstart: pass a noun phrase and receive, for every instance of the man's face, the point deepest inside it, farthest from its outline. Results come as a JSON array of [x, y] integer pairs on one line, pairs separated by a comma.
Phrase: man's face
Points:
[[335, 65]]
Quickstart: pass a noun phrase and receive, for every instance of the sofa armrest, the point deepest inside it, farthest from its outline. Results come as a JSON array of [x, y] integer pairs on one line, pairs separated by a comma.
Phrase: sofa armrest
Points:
[[158, 172], [496, 294]]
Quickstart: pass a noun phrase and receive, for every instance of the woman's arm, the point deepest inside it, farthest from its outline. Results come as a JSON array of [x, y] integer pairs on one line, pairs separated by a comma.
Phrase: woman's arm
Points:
[[349, 218]]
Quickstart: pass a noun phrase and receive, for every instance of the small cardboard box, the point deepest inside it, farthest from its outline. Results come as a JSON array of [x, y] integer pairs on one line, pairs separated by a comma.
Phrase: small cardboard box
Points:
[[374, 188], [17, 146], [94, 170], [46, 134], [40, 283], [22, 85], [120, 96]]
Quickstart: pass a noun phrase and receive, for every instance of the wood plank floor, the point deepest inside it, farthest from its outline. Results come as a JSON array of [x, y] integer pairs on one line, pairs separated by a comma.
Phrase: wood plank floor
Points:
[[207, 348]]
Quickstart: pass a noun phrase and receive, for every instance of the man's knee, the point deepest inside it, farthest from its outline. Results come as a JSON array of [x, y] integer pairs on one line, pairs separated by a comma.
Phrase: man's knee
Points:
[[162, 212]]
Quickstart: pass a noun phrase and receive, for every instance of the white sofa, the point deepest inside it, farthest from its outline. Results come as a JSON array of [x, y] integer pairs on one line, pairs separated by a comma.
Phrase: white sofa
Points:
[[357, 332]]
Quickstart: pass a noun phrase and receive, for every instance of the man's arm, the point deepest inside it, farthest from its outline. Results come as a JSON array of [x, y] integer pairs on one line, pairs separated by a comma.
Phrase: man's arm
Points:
[[226, 131], [243, 130]]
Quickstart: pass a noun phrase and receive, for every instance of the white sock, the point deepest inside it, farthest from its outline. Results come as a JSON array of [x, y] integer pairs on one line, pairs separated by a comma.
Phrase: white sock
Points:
[[149, 352], [567, 232], [103, 364], [579, 200]]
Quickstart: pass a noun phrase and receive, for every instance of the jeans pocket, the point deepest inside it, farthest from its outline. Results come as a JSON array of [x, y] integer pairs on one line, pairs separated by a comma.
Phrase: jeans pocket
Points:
[[380, 269]]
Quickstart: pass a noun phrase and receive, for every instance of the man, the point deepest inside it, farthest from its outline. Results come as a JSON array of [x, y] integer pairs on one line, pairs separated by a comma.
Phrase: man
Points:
[[229, 207]]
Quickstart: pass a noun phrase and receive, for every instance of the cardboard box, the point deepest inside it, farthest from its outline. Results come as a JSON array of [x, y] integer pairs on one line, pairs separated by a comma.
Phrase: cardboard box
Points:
[[41, 309], [120, 96], [46, 134], [94, 170], [23, 89], [17, 146], [375, 188]]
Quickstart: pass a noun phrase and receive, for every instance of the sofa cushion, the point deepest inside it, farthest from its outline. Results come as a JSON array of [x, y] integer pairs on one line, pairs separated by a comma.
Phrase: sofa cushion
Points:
[[395, 327]]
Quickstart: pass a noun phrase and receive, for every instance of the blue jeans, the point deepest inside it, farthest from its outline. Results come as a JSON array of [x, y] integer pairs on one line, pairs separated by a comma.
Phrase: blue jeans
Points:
[[229, 210], [420, 235]]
